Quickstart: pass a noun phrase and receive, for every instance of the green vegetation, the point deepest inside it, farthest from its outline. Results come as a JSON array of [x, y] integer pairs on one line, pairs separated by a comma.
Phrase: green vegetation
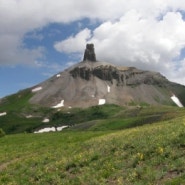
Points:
[[125, 117], [16, 102], [25, 117], [17, 108], [2, 133], [104, 117], [149, 154], [78, 115], [109, 144]]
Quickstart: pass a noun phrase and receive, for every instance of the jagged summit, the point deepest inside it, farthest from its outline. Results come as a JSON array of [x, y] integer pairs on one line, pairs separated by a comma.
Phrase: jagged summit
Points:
[[89, 54]]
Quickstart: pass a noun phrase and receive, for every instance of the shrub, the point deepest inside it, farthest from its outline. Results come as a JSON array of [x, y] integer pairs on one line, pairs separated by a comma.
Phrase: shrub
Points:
[[2, 133]]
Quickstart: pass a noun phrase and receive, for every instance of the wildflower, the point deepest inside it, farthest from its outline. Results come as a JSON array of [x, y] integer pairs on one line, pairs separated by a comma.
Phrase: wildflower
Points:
[[132, 175], [160, 150], [140, 156], [120, 181]]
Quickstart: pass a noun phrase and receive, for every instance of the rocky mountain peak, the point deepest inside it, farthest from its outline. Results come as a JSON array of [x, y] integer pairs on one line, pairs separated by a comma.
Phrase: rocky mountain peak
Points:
[[92, 82], [89, 53]]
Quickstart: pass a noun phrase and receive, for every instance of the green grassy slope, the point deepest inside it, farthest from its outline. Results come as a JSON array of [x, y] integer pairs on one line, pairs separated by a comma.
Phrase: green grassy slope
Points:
[[17, 108], [149, 154], [104, 117], [125, 117]]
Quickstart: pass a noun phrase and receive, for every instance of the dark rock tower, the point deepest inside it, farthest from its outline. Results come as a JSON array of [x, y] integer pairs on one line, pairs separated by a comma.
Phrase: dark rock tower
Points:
[[89, 53]]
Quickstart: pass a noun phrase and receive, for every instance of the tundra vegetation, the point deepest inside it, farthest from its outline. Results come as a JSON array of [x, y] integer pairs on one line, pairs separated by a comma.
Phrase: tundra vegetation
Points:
[[108, 144]]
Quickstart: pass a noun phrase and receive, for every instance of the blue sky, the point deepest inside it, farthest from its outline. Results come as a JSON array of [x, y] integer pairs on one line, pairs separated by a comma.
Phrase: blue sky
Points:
[[39, 38]]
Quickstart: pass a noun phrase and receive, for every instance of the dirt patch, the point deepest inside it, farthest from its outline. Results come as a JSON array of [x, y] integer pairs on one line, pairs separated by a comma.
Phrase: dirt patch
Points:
[[6, 164]]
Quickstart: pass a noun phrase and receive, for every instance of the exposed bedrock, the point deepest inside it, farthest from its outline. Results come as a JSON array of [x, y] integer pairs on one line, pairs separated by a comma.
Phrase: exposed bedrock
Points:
[[130, 76]]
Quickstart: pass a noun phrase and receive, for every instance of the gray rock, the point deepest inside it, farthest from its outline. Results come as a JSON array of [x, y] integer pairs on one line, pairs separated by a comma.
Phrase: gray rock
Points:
[[89, 53]]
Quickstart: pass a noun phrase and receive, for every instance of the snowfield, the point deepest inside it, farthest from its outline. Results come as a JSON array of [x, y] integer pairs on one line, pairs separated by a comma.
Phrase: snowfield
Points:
[[61, 104], [45, 120], [3, 114], [108, 88], [102, 101], [58, 75], [36, 89], [176, 101], [51, 129]]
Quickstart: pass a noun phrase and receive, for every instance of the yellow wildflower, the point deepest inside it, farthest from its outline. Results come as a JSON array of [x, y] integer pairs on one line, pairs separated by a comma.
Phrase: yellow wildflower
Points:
[[160, 150], [140, 156]]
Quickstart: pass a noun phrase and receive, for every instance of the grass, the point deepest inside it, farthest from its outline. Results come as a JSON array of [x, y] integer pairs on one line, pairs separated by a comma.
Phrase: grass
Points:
[[149, 154], [107, 144], [106, 117], [16, 102], [17, 108], [129, 117]]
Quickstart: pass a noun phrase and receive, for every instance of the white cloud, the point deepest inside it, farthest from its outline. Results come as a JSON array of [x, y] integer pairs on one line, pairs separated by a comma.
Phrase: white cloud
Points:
[[135, 39], [19, 17], [48, 69], [145, 34], [143, 42], [74, 43], [176, 74], [13, 52]]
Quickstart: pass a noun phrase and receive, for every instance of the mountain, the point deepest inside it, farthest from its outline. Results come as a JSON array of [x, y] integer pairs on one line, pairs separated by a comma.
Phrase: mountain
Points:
[[93, 82], [86, 85]]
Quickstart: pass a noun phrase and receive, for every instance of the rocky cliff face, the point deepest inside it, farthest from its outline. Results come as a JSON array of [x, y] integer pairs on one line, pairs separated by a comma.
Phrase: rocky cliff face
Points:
[[127, 76]]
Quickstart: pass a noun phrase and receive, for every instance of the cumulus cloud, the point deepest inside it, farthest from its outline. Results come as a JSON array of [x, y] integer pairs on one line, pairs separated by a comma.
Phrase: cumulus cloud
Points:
[[145, 34], [135, 40], [177, 71], [13, 52], [19, 17], [75, 43]]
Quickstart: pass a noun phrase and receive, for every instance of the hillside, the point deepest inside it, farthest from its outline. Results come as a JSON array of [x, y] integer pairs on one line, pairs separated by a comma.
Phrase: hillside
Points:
[[122, 126], [72, 96], [93, 83], [150, 154], [24, 117]]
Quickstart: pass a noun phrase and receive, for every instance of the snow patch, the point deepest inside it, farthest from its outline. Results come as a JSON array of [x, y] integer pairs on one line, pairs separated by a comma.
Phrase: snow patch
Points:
[[45, 120], [3, 114], [58, 75], [36, 89], [108, 88], [47, 129], [176, 101], [61, 128], [102, 101], [51, 129], [61, 104], [29, 116]]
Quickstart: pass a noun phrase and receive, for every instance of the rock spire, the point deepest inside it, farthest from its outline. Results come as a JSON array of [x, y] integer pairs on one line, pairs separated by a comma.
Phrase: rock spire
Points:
[[89, 53]]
